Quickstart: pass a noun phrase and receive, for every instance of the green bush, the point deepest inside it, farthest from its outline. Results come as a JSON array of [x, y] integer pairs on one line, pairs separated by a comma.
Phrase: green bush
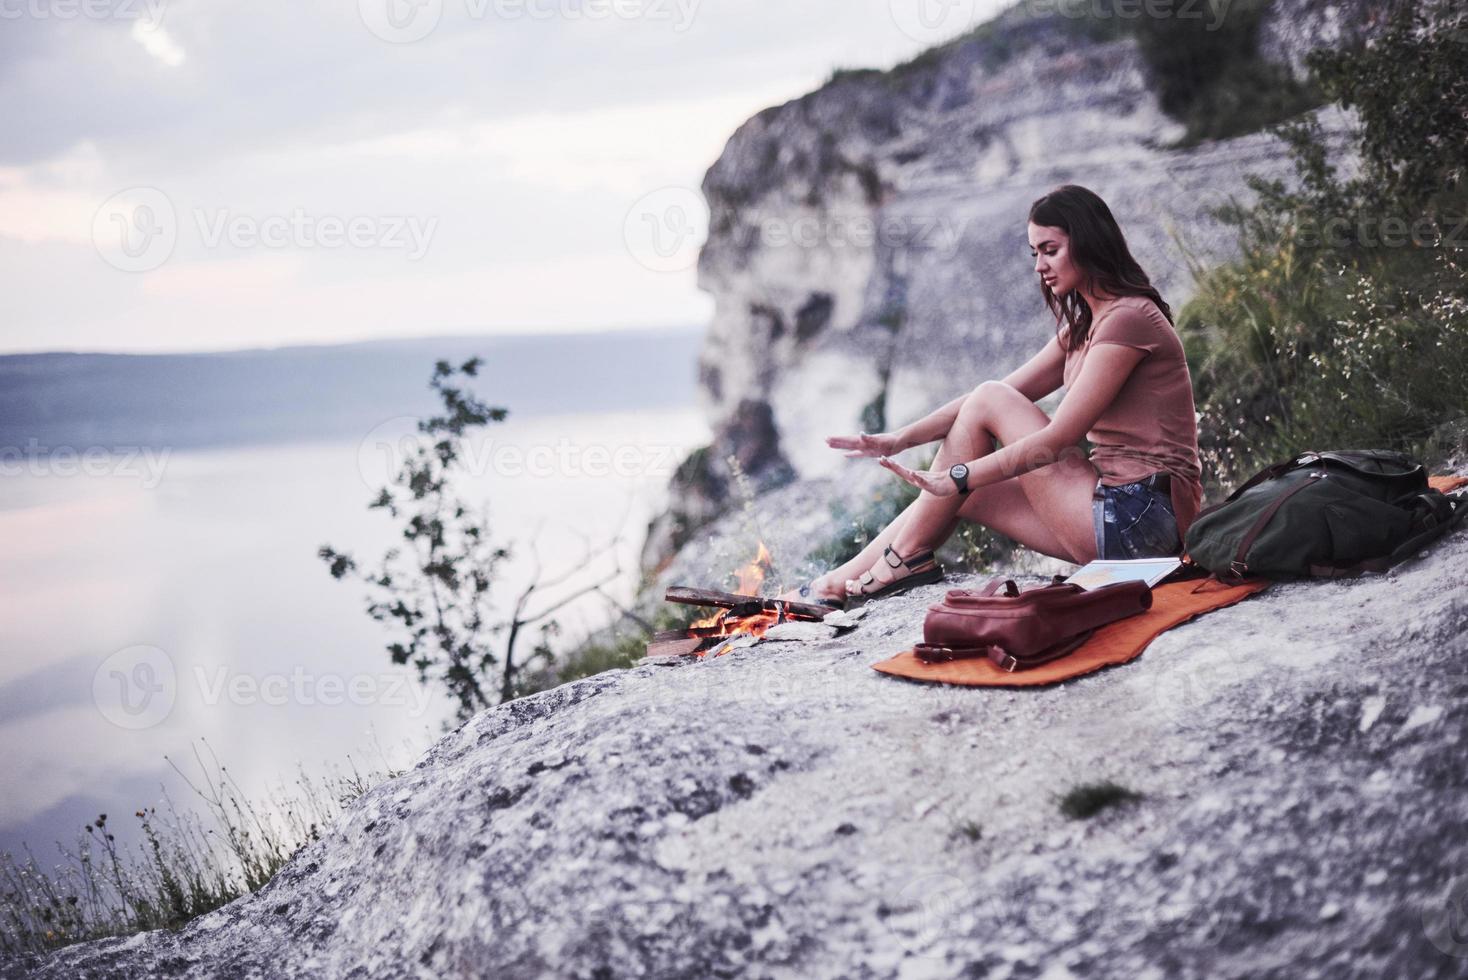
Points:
[[1342, 324], [1208, 73]]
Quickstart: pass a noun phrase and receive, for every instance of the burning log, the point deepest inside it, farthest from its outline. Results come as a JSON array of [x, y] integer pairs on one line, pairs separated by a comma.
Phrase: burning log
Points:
[[737, 603], [742, 617]]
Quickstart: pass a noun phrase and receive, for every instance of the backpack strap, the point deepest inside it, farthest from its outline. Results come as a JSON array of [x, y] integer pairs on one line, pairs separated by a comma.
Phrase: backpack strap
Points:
[[1437, 514], [1238, 569]]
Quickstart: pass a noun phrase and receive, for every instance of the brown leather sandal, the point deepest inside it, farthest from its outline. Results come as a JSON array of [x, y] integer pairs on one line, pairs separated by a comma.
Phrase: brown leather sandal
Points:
[[856, 589]]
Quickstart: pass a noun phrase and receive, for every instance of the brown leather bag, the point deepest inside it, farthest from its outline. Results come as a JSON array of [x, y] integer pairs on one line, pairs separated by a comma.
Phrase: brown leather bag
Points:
[[1024, 628]]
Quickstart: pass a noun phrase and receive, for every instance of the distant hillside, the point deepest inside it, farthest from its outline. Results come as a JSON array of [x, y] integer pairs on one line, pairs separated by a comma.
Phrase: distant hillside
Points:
[[307, 393]]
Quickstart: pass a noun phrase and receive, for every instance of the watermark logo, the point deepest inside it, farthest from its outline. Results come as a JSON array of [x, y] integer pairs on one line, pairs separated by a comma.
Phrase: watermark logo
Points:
[[401, 21], [930, 21], [148, 13], [862, 230], [1445, 923], [1186, 216], [943, 905], [1384, 231], [135, 230], [1181, 689], [34, 459], [1213, 11], [406, 21], [383, 453], [302, 230], [136, 687], [665, 230], [309, 689], [390, 446]]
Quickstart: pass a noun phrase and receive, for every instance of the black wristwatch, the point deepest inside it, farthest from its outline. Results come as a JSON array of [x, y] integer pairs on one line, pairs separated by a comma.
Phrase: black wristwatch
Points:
[[959, 472]]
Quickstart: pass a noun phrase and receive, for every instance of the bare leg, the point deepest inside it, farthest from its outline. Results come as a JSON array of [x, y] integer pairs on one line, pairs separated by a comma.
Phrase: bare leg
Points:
[[1046, 509]]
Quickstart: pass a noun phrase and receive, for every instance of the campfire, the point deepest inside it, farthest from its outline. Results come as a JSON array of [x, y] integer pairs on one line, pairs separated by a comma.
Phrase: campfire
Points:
[[742, 616]]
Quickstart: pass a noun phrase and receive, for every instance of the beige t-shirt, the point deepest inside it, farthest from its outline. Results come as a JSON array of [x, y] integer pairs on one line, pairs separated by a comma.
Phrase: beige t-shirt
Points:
[[1151, 425]]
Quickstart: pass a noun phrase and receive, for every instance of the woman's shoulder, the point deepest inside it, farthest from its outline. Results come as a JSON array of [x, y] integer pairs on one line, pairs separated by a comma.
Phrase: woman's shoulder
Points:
[[1134, 306]]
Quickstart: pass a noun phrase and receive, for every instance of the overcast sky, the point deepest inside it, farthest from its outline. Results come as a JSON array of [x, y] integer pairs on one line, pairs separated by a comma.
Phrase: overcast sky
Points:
[[216, 174]]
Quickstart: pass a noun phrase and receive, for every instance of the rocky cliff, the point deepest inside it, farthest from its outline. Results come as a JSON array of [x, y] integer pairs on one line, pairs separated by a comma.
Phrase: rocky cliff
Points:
[[867, 252], [786, 811]]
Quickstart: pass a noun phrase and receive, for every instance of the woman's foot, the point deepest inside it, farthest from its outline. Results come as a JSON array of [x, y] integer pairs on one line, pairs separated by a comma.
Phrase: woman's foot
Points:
[[893, 574], [820, 592]]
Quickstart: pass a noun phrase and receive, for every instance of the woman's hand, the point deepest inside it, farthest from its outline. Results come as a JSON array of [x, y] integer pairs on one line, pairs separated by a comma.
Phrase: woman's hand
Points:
[[936, 482], [868, 444]]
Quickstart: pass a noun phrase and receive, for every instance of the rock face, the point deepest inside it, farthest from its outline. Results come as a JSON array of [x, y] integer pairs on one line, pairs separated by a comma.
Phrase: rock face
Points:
[[786, 811], [867, 252]]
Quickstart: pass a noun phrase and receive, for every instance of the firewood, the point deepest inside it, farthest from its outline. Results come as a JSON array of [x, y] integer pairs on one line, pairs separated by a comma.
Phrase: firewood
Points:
[[730, 600], [676, 647]]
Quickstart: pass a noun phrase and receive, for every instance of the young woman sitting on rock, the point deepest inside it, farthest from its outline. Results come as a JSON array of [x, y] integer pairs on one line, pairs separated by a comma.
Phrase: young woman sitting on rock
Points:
[[1128, 391]]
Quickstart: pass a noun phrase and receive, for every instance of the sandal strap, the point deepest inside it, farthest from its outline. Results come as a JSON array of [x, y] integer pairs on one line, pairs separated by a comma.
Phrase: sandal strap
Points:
[[921, 558], [868, 579]]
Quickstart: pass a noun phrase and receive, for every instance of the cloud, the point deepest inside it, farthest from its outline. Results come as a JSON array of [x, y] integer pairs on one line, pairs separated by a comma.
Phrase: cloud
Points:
[[526, 141], [157, 42]]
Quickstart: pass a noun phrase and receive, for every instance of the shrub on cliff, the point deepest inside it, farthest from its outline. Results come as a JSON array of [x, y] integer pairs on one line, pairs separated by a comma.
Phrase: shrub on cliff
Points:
[[1345, 320]]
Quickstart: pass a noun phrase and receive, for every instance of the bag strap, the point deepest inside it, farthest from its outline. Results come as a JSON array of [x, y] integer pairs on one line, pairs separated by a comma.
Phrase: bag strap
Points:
[[997, 655], [1238, 569]]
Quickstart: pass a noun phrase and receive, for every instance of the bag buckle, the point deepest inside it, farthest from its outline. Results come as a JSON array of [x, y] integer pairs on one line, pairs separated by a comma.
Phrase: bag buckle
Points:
[[1009, 663], [1238, 568]]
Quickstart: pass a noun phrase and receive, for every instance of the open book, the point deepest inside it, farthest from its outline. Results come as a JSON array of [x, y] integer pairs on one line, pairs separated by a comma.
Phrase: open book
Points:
[[1149, 570]]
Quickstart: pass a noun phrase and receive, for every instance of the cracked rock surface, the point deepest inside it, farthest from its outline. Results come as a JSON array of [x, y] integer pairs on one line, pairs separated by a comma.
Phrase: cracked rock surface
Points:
[[786, 811]]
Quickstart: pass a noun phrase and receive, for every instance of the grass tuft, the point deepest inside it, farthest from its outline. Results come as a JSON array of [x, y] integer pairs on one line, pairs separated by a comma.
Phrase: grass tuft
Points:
[[185, 866], [1088, 799]]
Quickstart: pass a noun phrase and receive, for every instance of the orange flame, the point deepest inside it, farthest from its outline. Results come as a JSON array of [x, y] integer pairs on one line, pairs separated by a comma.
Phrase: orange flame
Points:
[[751, 577]]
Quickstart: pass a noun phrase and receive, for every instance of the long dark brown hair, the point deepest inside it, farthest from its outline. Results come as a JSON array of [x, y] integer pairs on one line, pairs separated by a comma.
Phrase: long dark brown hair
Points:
[[1099, 250]]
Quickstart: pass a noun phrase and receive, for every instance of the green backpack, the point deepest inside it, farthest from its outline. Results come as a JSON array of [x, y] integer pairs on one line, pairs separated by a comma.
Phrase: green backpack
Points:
[[1323, 514]]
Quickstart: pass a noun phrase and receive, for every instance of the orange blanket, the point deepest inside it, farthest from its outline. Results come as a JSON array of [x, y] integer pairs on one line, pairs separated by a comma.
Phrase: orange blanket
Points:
[[1114, 643]]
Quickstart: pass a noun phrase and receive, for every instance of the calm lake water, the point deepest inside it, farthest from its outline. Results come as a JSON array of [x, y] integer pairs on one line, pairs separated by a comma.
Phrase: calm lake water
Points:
[[154, 601]]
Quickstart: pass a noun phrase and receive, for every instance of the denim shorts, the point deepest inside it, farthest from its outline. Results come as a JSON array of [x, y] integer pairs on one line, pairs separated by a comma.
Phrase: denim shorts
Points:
[[1134, 520]]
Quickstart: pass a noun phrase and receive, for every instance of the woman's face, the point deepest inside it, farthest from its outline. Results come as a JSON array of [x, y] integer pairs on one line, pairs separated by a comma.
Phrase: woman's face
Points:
[[1050, 248]]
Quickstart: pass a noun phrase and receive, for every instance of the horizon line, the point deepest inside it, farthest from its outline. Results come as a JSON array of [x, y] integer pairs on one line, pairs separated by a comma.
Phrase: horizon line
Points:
[[363, 342]]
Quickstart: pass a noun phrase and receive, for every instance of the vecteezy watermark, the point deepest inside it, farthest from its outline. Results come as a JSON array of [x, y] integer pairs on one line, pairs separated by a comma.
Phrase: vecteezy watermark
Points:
[[1445, 922], [33, 459], [1187, 213], [933, 20], [300, 229], [135, 688], [665, 230], [136, 230], [940, 234], [1211, 11], [1182, 688], [390, 446], [934, 906], [310, 689], [148, 12], [406, 21], [1386, 231]]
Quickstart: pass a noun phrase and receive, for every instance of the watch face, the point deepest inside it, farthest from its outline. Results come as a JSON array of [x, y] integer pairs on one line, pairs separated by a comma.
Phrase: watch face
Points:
[[959, 471]]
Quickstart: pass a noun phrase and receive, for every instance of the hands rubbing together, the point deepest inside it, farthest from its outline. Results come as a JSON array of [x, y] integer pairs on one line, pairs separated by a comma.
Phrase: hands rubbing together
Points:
[[884, 445]]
